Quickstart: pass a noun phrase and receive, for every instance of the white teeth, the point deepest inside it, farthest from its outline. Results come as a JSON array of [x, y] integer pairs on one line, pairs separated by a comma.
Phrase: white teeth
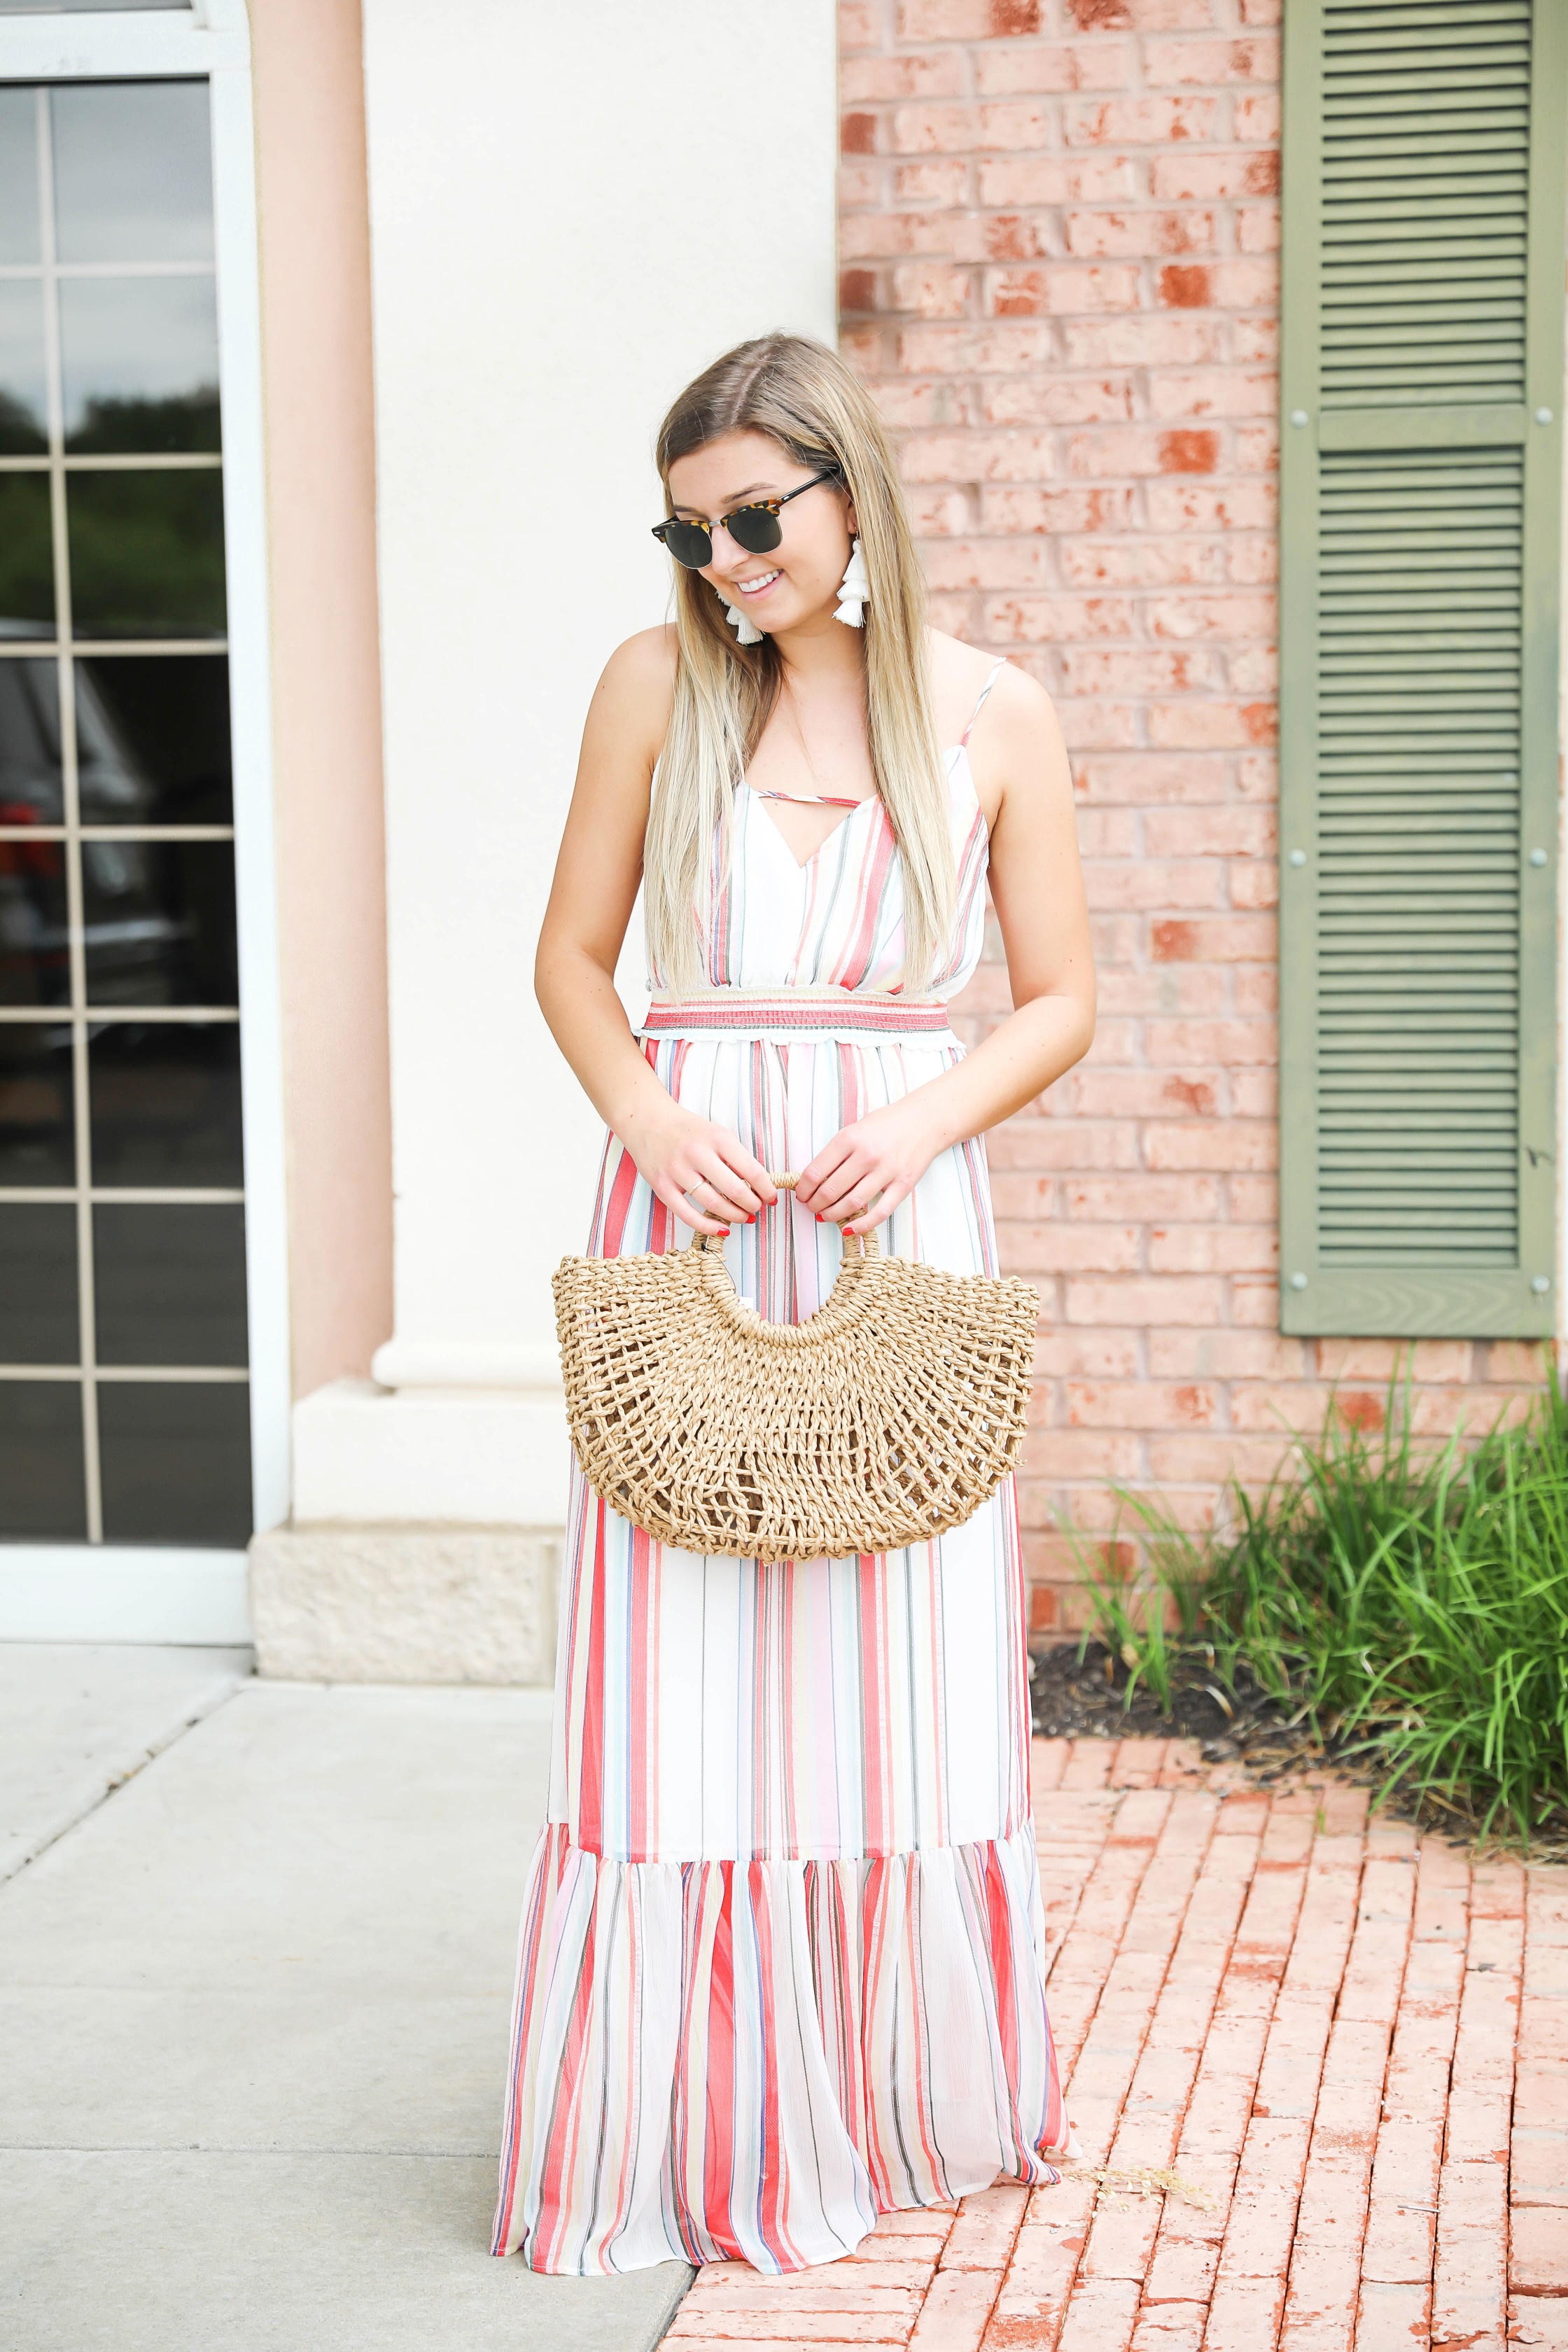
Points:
[[750, 587]]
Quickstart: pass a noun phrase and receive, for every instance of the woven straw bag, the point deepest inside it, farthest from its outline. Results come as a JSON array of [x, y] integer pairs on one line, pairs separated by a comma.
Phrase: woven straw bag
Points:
[[885, 1418]]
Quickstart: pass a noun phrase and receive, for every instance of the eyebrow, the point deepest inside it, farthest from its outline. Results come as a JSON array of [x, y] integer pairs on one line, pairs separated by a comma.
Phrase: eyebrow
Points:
[[734, 498]]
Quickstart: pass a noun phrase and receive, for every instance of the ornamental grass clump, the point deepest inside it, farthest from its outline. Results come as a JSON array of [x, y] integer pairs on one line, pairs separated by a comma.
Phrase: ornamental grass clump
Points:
[[1411, 1607]]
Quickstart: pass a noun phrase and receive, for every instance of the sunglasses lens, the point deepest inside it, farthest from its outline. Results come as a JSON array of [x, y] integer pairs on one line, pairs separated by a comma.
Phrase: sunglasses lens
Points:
[[754, 529], [689, 543]]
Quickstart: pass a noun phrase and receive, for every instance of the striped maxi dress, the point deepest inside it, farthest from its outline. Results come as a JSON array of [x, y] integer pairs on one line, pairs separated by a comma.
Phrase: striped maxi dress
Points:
[[781, 1962]]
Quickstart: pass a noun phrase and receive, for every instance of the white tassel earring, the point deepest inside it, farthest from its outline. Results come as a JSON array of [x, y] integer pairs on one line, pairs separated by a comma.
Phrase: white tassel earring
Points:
[[746, 630], [854, 590]]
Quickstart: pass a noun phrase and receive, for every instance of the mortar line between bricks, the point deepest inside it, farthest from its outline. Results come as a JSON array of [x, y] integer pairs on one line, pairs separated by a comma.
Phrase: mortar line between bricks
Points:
[[1169, 1831], [1158, 1992], [1083, 2257], [1165, 2234], [1150, 2041], [1132, 1887], [1228, 2277], [1297, 2319], [1394, 2195], [1474, 2250]]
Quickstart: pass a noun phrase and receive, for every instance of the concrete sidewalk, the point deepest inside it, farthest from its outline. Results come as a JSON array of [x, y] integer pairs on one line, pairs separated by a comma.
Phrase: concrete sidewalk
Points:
[[255, 2006]]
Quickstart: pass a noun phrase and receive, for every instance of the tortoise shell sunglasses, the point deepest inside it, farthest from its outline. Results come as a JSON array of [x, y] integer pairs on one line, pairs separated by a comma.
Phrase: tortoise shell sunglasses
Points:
[[756, 526]]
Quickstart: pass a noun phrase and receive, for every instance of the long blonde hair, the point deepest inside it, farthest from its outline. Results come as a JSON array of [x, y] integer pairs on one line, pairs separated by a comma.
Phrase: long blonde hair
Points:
[[802, 396]]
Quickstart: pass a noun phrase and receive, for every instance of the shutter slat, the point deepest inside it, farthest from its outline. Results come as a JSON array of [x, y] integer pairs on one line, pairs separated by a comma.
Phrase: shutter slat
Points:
[[1423, 173]]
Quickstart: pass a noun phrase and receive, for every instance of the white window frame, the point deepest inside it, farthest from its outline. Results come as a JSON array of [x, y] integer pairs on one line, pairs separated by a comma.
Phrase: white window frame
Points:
[[125, 1592]]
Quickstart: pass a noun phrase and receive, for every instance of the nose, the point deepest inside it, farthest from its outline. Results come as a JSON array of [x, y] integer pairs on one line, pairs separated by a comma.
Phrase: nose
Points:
[[728, 554]]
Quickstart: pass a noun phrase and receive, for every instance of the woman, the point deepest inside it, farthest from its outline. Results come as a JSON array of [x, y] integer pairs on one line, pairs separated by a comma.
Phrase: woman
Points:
[[782, 1953]]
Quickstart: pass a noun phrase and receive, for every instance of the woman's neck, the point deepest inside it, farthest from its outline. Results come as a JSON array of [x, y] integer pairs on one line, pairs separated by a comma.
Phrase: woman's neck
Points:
[[822, 652]]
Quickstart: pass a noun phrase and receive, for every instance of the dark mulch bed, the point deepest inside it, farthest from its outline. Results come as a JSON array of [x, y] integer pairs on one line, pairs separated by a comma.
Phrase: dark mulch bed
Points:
[[1085, 1697]]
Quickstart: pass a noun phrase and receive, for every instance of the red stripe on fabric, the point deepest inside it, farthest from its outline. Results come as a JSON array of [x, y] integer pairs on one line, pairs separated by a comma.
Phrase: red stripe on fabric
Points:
[[772, 2184], [591, 1779], [544, 1887], [873, 1966], [858, 956], [998, 1924], [719, 2136], [627, 2177], [639, 1610], [872, 1569], [748, 1013], [851, 1098], [1055, 2128], [973, 1157], [787, 1574], [661, 1220], [596, 1247], [761, 1587], [937, 1722], [555, 2203], [921, 2023], [619, 1204]]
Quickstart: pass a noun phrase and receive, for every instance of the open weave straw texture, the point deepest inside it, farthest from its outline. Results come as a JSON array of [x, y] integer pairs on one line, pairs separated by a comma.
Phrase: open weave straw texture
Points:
[[885, 1418]]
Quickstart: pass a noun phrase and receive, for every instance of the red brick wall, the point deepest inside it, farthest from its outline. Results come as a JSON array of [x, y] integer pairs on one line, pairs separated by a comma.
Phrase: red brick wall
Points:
[[1059, 227]]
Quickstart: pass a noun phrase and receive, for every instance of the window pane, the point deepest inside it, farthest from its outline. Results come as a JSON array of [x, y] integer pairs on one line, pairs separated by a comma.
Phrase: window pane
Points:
[[139, 361], [153, 741], [176, 1462], [34, 967], [31, 789], [160, 923], [165, 1103], [36, 1126], [41, 1487], [146, 554], [132, 172], [18, 176], [24, 397], [27, 557], [39, 1321], [170, 1283]]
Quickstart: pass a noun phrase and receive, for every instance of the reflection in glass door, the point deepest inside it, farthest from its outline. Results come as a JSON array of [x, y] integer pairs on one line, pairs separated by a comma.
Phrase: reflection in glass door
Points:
[[123, 1402]]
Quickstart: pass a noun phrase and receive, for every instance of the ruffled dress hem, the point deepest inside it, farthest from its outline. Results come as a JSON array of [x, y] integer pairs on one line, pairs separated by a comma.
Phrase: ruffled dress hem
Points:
[[751, 2060]]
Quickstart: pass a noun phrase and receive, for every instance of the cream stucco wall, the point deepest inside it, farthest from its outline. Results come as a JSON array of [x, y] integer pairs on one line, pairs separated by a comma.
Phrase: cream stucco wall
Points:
[[560, 237]]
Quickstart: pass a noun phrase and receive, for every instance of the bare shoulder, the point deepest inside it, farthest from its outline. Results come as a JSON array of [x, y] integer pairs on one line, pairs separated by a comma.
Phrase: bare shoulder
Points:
[[958, 672], [1016, 747], [641, 670], [627, 724], [1019, 702]]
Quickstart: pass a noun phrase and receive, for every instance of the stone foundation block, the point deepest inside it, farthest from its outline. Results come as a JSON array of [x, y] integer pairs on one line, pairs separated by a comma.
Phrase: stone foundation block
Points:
[[405, 1604]]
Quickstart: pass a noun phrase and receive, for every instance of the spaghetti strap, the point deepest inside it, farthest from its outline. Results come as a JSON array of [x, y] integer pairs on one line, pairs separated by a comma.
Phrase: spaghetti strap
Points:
[[808, 799], [996, 670]]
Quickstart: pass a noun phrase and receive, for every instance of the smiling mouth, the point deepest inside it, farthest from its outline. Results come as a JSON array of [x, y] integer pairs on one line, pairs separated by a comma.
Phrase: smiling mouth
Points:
[[756, 587]]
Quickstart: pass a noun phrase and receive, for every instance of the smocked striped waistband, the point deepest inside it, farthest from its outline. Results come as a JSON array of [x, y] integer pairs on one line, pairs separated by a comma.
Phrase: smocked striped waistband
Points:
[[828, 1012]]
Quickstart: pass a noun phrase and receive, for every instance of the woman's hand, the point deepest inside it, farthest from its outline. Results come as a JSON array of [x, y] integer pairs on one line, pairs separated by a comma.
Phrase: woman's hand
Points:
[[679, 1154], [858, 1179]]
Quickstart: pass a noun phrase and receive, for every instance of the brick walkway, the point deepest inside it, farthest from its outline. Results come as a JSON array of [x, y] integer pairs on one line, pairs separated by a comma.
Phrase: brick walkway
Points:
[[1316, 2023]]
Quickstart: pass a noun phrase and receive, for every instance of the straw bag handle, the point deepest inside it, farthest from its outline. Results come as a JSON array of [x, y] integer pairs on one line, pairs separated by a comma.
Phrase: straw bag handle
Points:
[[870, 1246]]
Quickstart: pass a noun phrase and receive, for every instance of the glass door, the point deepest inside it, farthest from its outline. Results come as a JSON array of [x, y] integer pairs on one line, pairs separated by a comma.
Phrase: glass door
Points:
[[124, 1413]]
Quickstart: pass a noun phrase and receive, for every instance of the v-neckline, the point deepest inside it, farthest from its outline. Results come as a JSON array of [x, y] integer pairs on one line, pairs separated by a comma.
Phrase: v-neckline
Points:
[[800, 864], [872, 799]]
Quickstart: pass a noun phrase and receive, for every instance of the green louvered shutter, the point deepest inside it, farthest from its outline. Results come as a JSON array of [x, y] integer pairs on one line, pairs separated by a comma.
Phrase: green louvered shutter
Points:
[[1422, 390]]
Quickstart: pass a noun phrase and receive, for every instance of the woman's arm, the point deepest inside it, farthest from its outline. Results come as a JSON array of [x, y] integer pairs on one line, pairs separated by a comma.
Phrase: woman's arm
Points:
[[591, 899], [1036, 887]]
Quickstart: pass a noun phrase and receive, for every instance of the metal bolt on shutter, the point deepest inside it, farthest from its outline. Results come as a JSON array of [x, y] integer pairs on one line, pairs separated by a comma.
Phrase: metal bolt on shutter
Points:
[[1422, 390]]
